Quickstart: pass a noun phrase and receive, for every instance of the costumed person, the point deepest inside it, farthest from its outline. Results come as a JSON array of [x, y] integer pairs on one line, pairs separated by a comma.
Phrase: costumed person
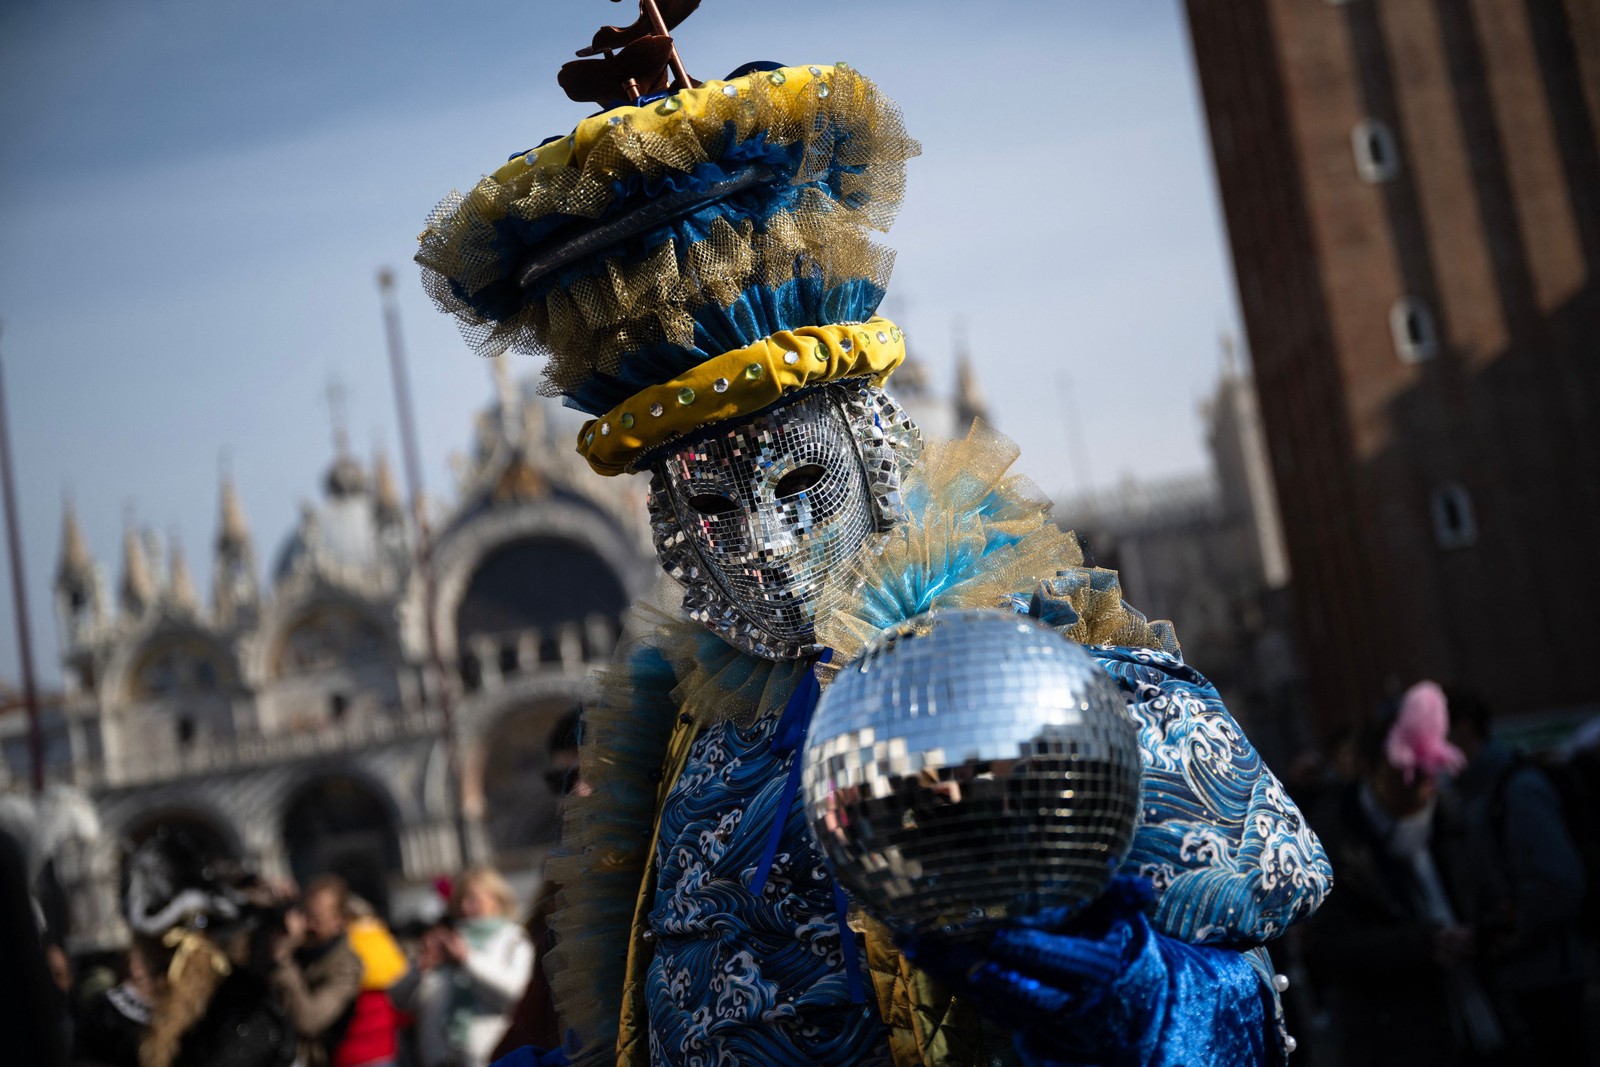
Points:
[[695, 264], [206, 934]]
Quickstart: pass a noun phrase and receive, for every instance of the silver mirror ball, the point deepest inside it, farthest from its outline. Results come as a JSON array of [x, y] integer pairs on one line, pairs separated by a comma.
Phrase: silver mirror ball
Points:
[[972, 768]]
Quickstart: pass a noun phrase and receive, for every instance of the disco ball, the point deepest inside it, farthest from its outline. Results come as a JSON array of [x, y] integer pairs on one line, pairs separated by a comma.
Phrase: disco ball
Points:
[[970, 768]]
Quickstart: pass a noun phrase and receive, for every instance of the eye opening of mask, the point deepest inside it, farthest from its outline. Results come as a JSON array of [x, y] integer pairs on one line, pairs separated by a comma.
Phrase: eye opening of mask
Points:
[[713, 504], [799, 480]]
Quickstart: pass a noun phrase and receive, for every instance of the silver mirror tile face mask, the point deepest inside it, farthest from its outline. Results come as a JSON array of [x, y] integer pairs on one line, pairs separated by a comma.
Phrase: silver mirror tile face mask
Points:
[[753, 517]]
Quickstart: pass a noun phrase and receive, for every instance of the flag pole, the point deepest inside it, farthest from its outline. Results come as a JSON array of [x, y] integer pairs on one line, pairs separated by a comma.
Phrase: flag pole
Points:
[[413, 465], [19, 594]]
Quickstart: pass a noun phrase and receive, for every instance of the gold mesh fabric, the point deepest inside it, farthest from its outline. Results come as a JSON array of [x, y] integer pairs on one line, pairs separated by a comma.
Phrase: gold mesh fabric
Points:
[[845, 126], [969, 500], [587, 328]]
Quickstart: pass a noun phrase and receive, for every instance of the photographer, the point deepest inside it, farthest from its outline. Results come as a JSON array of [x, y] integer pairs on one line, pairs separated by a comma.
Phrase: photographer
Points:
[[316, 975], [471, 971]]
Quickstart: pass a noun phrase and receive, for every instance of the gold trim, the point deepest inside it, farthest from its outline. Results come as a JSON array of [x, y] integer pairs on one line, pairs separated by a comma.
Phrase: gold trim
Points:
[[738, 383]]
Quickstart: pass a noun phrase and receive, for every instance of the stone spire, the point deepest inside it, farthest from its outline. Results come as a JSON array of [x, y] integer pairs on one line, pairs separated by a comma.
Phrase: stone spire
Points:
[[180, 585], [345, 478], [509, 396], [138, 590], [235, 590], [75, 565], [77, 586], [233, 532], [385, 497], [968, 400]]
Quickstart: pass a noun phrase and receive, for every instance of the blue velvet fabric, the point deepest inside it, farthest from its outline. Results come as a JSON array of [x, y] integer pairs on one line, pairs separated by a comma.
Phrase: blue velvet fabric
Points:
[[533, 1056], [517, 237], [1108, 990]]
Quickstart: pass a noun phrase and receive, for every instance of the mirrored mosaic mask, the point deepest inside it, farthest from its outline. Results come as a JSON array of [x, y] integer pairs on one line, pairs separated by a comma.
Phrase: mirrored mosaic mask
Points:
[[753, 516]]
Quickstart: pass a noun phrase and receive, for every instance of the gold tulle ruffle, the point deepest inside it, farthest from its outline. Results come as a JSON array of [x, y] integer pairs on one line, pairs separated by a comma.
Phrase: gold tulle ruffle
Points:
[[847, 129], [585, 329]]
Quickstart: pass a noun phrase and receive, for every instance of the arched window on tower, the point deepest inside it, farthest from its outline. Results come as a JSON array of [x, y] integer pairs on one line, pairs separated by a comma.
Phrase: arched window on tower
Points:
[[1416, 339], [1376, 150], [1454, 523]]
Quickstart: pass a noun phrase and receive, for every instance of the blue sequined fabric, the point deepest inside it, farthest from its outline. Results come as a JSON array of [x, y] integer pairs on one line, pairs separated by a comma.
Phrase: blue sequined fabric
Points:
[[740, 978]]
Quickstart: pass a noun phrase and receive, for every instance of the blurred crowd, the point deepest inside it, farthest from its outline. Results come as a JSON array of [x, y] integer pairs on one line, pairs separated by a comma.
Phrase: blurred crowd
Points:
[[1463, 930], [1464, 924], [231, 970]]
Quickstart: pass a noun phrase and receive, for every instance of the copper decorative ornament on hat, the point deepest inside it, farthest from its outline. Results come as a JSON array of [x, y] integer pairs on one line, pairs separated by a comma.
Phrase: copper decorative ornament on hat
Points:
[[971, 768]]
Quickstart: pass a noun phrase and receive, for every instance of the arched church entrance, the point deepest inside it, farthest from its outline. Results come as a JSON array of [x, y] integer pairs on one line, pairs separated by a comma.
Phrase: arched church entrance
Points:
[[207, 833], [340, 824], [521, 791]]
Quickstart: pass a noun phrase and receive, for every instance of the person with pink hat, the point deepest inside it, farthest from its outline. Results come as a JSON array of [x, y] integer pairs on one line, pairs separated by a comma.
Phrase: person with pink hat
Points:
[[1394, 955]]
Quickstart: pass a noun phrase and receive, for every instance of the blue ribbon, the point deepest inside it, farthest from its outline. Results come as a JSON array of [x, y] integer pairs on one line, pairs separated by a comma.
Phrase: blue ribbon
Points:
[[788, 738], [847, 941]]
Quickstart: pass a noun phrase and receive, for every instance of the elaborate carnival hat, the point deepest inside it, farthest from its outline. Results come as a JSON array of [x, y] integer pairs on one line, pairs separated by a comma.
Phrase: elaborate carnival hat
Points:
[[696, 252]]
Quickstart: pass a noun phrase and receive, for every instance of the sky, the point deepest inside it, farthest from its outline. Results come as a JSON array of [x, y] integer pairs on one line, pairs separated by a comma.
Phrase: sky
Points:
[[196, 196]]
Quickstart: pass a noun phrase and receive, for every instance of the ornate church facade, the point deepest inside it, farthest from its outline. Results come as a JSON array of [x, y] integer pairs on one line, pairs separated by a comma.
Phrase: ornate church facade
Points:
[[300, 726]]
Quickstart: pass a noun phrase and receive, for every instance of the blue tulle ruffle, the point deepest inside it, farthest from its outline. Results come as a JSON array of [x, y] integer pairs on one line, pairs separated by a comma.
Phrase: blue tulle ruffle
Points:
[[805, 300]]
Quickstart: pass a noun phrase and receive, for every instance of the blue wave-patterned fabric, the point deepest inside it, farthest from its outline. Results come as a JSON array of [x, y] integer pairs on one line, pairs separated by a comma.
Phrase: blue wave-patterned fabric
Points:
[[738, 978], [741, 979], [1232, 858]]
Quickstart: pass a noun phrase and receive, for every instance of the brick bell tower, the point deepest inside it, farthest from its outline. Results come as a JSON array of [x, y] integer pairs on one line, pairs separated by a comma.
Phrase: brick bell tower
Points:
[[1412, 194]]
